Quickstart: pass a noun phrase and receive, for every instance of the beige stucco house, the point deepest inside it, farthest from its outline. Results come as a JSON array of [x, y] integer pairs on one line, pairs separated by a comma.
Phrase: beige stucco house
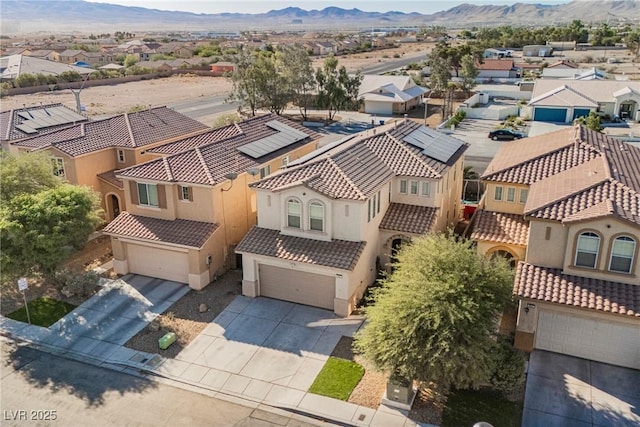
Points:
[[566, 205], [389, 94], [188, 209], [89, 153], [328, 222]]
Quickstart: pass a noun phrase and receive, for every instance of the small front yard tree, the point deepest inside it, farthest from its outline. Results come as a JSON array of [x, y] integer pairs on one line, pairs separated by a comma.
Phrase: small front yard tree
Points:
[[433, 319], [336, 89]]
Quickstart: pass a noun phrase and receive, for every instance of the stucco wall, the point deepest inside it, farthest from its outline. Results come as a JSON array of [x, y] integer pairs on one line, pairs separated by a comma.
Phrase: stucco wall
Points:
[[546, 248], [493, 205]]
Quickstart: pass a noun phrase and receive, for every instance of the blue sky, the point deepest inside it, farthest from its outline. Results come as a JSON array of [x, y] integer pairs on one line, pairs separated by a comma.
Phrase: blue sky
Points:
[[259, 6]]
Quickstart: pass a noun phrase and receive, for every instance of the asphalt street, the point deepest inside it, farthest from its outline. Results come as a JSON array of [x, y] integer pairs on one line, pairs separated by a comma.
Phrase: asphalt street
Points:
[[201, 107], [45, 390]]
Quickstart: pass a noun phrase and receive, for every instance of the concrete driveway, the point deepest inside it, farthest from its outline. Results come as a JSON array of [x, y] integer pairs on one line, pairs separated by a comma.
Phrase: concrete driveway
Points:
[[111, 317], [567, 391]]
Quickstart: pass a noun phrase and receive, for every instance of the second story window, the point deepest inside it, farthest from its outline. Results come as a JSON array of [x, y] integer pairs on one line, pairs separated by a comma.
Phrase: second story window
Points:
[[414, 188], [403, 186], [265, 171], [511, 194], [148, 194], [622, 253], [285, 161], [524, 193], [121, 157], [587, 250], [58, 166], [316, 216], [497, 195], [425, 188], [185, 193], [294, 213]]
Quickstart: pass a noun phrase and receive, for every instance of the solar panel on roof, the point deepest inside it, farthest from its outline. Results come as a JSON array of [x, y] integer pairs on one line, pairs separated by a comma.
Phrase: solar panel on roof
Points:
[[26, 129], [286, 136], [41, 118], [434, 144]]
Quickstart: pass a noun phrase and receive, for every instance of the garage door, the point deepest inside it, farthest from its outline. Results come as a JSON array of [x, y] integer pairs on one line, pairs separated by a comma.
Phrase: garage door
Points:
[[550, 115], [373, 107], [160, 263], [608, 342], [297, 286], [580, 112]]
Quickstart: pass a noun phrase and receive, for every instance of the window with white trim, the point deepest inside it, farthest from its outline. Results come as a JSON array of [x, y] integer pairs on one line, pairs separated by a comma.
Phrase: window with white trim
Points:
[[414, 188], [403, 186], [121, 156], [378, 204], [497, 194], [524, 193], [425, 190], [294, 213], [622, 252], [511, 194], [587, 250], [265, 171], [316, 216], [148, 195], [285, 161], [185, 193], [58, 166]]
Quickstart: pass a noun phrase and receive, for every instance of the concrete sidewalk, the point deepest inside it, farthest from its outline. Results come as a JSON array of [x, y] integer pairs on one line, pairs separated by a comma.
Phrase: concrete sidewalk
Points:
[[261, 353]]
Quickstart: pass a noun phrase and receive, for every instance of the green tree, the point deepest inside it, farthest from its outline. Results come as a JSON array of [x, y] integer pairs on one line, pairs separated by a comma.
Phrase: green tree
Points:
[[25, 174], [434, 318], [40, 230], [592, 121], [273, 83], [632, 40], [296, 64], [130, 60], [244, 80], [468, 72], [336, 89]]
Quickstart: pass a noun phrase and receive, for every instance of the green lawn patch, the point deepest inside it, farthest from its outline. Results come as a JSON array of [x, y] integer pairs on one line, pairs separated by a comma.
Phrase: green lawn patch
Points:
[[43, 311], [467, 407], [337, 378]]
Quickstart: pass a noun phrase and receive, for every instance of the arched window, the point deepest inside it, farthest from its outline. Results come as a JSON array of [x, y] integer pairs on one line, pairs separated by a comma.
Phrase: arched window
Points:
[[316, 216], [587, 250], [294, 213], [622, 252]]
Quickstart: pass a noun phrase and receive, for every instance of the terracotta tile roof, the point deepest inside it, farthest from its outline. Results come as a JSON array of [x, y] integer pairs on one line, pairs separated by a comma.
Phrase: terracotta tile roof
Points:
[[10, 119], [570, 172], [126, 130], [409, 218], [356, 168], [340, 254], [552, 286], [209, 162], [501, 228], [182, 232], [213, 135], [110, 177]]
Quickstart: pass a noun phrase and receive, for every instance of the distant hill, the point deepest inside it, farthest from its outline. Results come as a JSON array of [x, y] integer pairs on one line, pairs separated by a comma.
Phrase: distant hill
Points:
[[26, 16]]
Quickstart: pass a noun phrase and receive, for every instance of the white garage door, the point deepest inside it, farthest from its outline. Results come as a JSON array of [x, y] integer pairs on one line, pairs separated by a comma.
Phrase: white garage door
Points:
[[160, 263], [297, 286], [614, 343], [373, 107]]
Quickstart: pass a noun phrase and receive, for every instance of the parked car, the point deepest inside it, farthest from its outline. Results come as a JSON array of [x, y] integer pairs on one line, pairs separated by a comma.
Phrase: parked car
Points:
[[506, 134]]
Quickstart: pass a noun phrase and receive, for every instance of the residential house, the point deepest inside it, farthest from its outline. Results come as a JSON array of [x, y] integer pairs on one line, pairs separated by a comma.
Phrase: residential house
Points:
[[564, 100], [90, 153], [491, 53], [175, 49], [496, 69], [13, 66], [48, 54], [326, 47], [566, 207], [71, 56], [26, 122], [389, 94], [187, 210], [328, 222]]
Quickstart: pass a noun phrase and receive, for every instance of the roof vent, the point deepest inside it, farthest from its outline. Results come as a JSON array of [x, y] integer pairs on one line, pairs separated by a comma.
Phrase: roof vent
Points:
[[406, 118]]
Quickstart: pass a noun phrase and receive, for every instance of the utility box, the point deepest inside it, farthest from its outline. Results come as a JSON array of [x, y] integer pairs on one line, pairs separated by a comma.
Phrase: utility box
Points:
[[166, 340], [399, 390]]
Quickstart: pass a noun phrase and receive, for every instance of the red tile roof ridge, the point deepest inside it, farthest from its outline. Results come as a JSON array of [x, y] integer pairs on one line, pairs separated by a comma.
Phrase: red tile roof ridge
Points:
[[204, 166], [167, 169], [344, 176], [129, 129]]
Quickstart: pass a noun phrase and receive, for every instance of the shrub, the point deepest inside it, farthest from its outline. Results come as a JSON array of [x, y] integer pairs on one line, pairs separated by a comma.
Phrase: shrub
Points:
[[508, 374], [83, 284]]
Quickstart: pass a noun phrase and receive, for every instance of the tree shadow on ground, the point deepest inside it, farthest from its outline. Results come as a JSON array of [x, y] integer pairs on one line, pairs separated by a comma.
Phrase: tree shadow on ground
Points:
[[88, 383]]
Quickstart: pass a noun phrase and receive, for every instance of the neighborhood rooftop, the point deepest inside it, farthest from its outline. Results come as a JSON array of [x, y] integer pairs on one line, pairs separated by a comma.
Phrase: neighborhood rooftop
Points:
[[355, 168], [27, 121], [128, 130], [214, 154]]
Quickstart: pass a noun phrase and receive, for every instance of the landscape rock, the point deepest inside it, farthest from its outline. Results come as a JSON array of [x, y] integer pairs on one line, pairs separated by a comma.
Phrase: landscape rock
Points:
[[154, 326], [203, 308]]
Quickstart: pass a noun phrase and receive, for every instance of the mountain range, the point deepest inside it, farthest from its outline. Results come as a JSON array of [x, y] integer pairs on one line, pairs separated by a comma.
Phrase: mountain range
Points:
[[27, 16]]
